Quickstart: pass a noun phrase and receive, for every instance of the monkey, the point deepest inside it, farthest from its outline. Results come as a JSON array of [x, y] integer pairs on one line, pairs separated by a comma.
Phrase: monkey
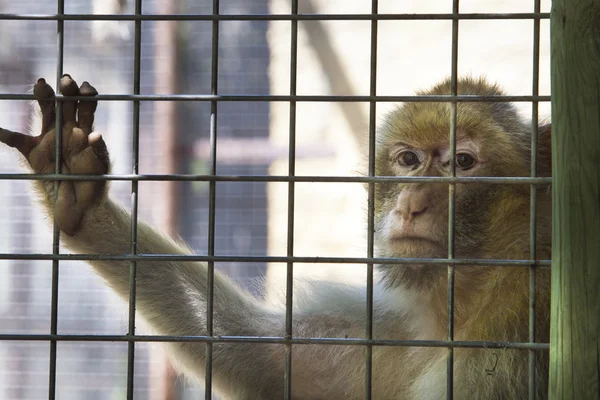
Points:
[[491, 303]]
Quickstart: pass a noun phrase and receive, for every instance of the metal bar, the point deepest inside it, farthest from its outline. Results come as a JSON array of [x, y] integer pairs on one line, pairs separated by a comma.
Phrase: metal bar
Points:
[[298, 98], [515, 180], [452, 203], [210, 273], [60, 47], [533, 199], [291, 179], [134, 198], [276, 259], [289, 279], [279, 340], [371, 203], [275, 17]]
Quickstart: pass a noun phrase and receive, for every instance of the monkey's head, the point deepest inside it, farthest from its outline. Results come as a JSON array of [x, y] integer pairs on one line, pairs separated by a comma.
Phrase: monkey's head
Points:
[[491, 219]]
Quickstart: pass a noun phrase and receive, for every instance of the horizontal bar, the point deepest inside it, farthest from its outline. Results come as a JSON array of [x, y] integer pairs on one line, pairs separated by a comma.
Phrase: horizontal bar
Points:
[[279, 340], [274, 17], [464, 98], [274, 259], [522, 180]]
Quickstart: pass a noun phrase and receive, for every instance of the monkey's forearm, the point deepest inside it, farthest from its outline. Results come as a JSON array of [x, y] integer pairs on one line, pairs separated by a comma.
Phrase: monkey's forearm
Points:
[[171, 296], [165, 291]]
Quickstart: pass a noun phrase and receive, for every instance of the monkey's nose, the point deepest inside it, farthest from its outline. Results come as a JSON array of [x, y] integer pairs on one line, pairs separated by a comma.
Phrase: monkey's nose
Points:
[[416, 213], [409, 213], [412, 204]]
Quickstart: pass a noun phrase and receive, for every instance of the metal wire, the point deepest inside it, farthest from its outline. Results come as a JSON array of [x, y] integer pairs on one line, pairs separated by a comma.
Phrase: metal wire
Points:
[[511, 180], [275, 17], [276, 259], [289, 279], [60, 47], [452, 203], [371, 203], [533, 199], [214, 98], [297, 98], [210, 277], [279, 340], [135, 156]]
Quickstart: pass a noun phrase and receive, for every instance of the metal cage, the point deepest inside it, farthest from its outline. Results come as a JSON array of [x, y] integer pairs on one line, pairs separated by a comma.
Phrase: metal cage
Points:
[[215, 98]]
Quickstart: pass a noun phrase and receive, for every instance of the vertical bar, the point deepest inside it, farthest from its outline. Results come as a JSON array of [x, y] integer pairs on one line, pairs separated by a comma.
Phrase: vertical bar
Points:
[[452, 200], [214, 89], [533, 196], [60, 5], [135, 154], [575, 303], [371, 203], [290, 209]]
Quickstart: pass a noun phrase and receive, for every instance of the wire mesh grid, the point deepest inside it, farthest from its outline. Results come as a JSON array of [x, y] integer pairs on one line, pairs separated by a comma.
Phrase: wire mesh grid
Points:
[[291, 179]]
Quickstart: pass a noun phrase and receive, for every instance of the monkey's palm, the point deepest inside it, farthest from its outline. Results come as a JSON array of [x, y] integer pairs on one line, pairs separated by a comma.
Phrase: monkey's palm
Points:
[[83, 152]]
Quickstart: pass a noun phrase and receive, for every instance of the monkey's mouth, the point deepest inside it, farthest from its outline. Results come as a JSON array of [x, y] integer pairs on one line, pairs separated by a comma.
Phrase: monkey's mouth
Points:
[[414, 239], [412, 246]]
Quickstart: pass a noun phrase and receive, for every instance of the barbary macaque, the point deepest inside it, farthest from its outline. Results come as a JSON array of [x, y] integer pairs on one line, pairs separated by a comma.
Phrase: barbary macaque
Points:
[[410, 301]]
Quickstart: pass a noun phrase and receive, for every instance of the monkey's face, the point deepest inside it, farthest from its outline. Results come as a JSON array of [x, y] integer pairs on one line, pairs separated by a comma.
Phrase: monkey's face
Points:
[[411, 220]]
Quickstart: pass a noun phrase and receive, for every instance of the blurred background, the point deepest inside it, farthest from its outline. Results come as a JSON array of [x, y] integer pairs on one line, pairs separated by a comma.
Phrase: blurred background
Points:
[[251, 218]]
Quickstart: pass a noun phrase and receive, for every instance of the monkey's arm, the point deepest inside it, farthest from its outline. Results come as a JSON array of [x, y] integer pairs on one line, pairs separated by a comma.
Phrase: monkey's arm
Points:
[[93, 223], [171, 296]]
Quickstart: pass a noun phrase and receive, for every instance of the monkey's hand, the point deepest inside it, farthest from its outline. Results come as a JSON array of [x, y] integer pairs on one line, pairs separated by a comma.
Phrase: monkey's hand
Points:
[[83, 152]]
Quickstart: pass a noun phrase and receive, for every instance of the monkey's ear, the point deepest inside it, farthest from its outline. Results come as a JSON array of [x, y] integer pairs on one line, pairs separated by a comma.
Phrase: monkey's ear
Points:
[[544, 161]]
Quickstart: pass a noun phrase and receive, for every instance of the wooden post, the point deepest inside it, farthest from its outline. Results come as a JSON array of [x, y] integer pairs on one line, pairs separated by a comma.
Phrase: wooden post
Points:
[[574, 347]]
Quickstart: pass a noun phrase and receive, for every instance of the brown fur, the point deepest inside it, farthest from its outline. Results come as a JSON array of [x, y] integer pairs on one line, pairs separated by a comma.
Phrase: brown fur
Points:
[[491, 303], [492, 222]]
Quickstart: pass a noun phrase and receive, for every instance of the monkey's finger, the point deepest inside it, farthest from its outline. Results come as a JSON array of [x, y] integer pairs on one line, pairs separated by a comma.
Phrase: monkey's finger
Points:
[[98, 145], [45, 96], [86, 109], [68, 87], [19, 141]]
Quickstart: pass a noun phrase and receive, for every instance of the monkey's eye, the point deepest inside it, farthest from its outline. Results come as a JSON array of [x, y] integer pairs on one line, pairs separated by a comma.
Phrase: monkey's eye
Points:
[[408, 158], [464, 160]]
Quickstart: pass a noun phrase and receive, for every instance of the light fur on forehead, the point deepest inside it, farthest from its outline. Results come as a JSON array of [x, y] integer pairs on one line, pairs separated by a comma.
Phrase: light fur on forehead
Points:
[[426, 125]]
